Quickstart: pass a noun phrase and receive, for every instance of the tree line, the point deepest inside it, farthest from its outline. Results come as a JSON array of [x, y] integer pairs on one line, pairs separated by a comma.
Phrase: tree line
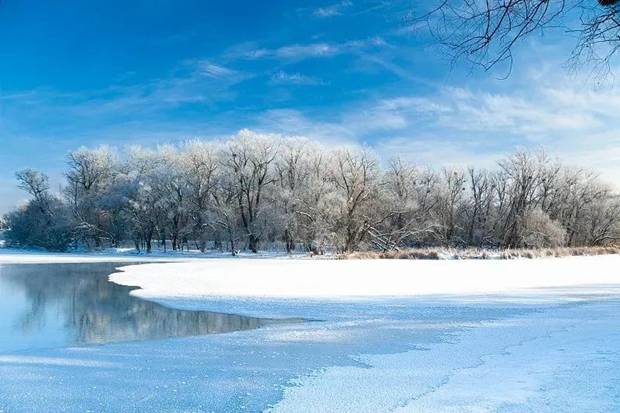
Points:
[[254, 191]]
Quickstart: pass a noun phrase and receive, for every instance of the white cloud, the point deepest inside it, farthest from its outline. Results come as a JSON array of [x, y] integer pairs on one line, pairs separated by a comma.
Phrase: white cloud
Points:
[[193, 81], [294, 122], [215, 71], [282, 77], [529, 116], [309, 50], [437, 152], [536, 116], [465, 126], [296, 51], [332, 10]]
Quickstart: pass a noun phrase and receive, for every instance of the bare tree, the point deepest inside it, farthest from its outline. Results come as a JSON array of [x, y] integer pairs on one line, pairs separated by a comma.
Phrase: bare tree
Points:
[[450, 206], [479, 206], [292, 169], [315, 210], [41, 222], [35, 183], [264, 189], [223, 216], [523, 173], [88, 178], [199, 164], [603, 224], [249, 160], [486, 32], [354, 176], [405, 207]]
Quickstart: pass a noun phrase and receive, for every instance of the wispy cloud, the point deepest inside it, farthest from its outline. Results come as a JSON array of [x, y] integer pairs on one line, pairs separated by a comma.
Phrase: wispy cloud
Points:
[[310, 50], [296, 51], [295, 122], [216, 71], [546, 113], [431, 151], [332, 10], [468, 126], [192, 82], [282, 77]]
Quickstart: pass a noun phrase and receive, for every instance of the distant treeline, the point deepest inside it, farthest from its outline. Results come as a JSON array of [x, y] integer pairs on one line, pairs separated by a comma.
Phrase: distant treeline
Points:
[[254, 191]]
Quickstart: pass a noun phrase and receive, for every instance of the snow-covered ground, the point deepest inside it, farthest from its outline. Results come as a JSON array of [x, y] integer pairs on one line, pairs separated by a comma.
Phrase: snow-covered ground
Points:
[[364, 278], [420, 336], [548, 343]]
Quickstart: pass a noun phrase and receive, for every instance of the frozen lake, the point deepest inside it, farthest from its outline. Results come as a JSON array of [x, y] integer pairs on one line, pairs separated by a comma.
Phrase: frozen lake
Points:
[[72, 341], [56, 305]]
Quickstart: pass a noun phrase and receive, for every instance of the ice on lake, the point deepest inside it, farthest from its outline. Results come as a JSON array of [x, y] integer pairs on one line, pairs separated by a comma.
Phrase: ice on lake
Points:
[[552, 352]]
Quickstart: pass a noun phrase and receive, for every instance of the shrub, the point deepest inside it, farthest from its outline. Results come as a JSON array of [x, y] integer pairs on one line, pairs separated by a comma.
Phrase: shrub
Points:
[[541, 231], [42, 226]]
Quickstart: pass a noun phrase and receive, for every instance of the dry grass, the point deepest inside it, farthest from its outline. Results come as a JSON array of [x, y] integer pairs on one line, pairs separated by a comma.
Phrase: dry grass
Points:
[[478, 253], [410, 254], [558, 252]]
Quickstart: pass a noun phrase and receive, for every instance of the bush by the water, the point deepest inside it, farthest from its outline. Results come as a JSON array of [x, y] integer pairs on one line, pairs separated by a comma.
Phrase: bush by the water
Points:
[[37, 226]]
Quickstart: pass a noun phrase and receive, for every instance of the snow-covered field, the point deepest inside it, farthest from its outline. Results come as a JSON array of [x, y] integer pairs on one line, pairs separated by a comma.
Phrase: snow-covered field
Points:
[[420, 336], [364, 278]]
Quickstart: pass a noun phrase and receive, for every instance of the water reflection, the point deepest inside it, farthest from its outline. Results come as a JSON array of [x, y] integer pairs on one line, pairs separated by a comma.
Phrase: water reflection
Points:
[[66, 304]]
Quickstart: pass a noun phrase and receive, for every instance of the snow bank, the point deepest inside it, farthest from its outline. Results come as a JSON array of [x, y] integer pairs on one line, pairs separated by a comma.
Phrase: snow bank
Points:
[[363, 278]]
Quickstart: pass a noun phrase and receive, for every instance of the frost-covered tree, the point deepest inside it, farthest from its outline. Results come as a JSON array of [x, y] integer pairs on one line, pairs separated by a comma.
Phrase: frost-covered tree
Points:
[[354, 175], [314, 210], [249, 159], [44, 221], [263, 191], [88, 180], [451, 205], [199, 165], [479, 205], [145, 208], [539, 230]]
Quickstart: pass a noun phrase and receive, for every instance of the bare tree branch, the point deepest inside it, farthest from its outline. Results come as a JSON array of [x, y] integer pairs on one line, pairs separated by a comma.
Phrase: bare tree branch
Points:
[[485, 32]]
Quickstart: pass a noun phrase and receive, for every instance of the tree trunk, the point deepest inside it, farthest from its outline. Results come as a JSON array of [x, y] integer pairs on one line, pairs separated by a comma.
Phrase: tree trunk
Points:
[[253, 243], [288, 239], [148, 242]]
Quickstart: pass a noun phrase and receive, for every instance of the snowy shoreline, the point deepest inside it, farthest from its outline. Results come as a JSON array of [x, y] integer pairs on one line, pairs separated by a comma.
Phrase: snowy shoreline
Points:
[[28, 257], [332, 279], [23, 256], [217, 275]]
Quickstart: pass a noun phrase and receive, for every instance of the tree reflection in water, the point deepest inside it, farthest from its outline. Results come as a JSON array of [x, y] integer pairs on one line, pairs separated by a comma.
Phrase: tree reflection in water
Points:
[[79, 299]]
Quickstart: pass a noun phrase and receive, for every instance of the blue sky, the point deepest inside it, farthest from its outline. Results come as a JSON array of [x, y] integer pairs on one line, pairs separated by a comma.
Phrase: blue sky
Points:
[[77, 73]]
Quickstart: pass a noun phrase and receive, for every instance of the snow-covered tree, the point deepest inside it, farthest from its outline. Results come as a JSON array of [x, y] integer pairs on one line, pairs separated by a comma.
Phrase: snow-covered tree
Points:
[[249, 158], [257, 191]]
